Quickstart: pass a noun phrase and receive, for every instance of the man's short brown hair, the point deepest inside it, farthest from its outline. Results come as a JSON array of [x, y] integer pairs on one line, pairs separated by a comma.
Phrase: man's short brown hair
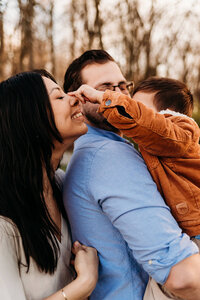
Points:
[[73, 79], [169, 94]]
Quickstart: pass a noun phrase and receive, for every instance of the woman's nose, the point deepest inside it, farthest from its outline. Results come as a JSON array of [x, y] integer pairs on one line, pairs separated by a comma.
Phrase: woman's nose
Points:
[[73, 101]]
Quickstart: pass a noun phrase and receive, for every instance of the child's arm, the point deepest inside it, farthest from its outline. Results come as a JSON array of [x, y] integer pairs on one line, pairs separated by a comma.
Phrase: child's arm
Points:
[[158, 134], [87, 93]]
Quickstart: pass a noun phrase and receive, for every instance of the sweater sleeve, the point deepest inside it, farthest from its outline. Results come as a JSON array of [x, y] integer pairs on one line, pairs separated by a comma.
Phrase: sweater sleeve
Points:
[[10, 282], [158, 134]]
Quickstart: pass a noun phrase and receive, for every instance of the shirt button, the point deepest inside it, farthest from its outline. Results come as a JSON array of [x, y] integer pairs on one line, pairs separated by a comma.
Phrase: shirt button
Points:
[[108, 102], [150, 262]]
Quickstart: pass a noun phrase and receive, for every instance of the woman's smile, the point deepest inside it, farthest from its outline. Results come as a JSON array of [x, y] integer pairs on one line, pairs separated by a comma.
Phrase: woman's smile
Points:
[[68, 115], [78, 115]]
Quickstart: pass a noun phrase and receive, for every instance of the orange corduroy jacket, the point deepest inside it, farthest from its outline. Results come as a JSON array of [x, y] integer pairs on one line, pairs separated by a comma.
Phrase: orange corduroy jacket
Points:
[[169, 144]]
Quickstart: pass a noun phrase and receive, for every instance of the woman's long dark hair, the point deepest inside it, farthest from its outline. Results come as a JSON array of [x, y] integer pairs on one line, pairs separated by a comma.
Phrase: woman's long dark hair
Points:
[[27, 131]]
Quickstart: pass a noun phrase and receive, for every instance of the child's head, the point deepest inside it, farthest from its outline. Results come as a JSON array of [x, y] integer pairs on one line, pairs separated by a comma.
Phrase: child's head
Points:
[[161, 93]]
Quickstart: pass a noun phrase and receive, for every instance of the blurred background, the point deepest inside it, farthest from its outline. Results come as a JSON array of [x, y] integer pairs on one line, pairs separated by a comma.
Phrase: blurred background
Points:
[[146, 37]]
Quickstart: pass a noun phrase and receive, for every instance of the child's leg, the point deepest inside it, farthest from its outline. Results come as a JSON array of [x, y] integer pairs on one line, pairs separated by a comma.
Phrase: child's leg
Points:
[[155, 291], [196, 240]]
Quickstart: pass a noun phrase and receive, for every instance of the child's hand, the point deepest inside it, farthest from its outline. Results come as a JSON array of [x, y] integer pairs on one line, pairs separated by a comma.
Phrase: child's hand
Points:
[[87, 93]]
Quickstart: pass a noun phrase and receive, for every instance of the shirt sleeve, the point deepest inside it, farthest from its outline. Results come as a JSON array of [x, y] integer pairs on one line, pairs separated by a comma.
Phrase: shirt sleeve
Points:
[[10, 283], [128, 196], [160, 135]]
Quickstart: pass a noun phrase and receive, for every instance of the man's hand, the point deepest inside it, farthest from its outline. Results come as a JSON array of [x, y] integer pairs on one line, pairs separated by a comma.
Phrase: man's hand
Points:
[[87, 93]]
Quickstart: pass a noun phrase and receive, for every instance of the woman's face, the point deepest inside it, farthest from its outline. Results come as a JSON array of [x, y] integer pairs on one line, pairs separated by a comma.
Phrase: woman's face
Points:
[[67, 111]]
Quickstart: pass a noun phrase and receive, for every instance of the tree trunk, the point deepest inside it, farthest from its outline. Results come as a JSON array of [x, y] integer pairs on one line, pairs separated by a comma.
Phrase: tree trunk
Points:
[[98, 24], [26, 60], [2, 42], [51, 40]]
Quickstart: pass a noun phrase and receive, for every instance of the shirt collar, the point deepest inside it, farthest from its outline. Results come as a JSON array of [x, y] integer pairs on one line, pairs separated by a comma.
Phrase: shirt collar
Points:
[[101, 133]]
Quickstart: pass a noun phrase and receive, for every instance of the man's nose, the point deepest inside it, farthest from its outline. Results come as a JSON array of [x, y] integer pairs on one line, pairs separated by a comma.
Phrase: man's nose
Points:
[[117, 89]]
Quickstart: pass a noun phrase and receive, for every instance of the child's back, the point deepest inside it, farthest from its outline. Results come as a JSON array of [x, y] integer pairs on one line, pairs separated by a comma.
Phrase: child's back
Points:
[[168, 141]]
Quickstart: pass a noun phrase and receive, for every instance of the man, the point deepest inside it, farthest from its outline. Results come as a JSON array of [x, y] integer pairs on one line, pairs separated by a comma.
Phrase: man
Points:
[[113, 203]]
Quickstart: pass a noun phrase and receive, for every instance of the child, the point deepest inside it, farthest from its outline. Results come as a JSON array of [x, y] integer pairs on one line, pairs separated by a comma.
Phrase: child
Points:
[[158, 119]]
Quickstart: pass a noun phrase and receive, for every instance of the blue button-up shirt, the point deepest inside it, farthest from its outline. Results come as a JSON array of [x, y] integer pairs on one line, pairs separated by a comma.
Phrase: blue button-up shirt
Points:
[[114, 205]]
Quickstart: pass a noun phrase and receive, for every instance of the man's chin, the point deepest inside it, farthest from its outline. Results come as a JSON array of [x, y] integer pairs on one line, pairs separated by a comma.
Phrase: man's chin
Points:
[[109, 127], [100, 122]]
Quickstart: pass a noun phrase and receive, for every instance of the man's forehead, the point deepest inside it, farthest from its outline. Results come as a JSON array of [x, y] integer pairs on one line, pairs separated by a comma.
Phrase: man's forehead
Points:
[[97, 74]]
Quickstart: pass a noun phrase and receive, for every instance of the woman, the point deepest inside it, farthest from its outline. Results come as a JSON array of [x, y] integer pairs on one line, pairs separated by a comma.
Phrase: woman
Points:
[[38, 122]]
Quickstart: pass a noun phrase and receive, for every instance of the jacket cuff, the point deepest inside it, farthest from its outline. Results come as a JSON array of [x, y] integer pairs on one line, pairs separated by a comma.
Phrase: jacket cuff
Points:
[[110, 99]]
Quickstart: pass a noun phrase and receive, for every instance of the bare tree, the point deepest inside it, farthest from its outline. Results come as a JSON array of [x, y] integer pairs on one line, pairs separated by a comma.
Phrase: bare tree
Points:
[[135, 32], [145, 37], [98, 24], [72, 13], [51, 37], [132, 28], [86, 25], [2, 38], [26, 9]]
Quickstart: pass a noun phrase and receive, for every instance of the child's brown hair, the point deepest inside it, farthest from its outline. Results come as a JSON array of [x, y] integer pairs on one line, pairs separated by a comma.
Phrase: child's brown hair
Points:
[[169, 94]]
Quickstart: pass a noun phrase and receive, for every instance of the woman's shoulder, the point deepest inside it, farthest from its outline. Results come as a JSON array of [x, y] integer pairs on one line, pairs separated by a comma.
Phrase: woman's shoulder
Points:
[[8, 227], [11, 249]]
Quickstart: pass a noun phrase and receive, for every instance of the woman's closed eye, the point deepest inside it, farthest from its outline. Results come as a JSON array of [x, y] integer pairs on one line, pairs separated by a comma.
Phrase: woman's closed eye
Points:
[[60, 97]]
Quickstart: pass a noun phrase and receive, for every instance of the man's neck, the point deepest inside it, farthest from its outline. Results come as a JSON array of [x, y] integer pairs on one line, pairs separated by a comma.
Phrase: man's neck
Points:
[[103, 127]]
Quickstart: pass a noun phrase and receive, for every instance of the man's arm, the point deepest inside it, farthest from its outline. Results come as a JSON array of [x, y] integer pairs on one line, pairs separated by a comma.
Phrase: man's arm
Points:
[[158, 134], [129, 198]]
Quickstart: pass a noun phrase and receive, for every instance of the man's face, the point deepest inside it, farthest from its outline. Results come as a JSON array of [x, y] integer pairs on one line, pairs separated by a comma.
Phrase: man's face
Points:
[[99, 76]]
